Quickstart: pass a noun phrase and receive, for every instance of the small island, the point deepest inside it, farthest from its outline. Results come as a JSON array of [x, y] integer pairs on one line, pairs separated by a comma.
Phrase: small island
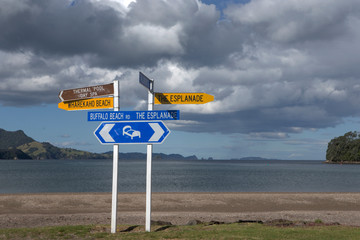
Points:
[[344, 149]]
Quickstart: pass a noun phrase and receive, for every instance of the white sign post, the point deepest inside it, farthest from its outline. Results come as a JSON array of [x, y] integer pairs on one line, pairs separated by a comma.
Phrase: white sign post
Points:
[[115, 163], [148, 84]]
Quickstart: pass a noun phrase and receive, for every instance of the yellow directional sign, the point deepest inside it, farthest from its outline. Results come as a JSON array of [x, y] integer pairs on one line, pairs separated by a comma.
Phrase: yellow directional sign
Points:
[[183, 98], [87, 104]]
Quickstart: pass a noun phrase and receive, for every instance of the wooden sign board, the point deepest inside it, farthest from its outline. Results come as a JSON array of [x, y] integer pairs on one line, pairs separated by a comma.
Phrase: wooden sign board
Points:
[[87, 104], [183, 98], [86, 92]]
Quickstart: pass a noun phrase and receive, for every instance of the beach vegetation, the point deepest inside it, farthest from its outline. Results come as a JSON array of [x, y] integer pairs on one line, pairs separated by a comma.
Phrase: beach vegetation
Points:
[[318, 220], [200, 231]]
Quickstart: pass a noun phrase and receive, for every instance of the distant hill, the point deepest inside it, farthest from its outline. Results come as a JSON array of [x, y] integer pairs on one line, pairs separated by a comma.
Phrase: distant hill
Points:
[[156, 156], [17, 145], [253, 158], [46, 150], [13, 154], [13, 139]]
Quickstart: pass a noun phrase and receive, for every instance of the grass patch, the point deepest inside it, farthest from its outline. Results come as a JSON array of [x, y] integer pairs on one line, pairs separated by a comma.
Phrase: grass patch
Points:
[[244, 231], [318, 221]]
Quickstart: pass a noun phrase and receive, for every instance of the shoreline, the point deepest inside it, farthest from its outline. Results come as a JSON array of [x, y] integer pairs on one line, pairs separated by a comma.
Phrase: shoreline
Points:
[[343, 162], [50, 209]]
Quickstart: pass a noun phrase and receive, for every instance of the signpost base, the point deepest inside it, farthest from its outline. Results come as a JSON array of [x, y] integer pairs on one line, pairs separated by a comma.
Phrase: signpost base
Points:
[[148, 187], [114, 188]]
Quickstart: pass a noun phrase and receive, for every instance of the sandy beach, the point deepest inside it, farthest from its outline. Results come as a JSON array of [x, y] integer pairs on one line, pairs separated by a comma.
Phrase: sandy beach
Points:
[[32, 210]]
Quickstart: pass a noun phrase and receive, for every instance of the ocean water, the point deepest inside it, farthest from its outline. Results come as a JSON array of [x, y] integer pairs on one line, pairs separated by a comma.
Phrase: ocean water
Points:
[[46, 176]]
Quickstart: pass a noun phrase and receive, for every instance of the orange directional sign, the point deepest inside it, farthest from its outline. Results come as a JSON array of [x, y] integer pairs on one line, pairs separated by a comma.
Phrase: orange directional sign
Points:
[[87, 104], [183, 98], [86, 92]]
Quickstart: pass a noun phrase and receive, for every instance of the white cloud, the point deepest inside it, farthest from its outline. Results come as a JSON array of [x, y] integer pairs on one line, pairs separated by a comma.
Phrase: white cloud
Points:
[[123, 6], [268, 135], [154, 39]]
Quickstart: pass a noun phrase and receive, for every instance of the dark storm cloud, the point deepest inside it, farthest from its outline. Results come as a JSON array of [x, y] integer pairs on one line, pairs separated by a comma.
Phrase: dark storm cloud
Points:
[[293, 21], [276, 121], [275, 67], [148, 32], [50, 27]]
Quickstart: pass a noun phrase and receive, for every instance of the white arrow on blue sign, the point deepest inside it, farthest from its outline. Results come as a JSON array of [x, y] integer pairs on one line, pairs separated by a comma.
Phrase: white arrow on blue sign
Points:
[[141, 132]]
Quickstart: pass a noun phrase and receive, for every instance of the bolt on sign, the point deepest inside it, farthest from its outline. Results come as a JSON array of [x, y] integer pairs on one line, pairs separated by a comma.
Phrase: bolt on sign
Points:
[[183, 98], [87, 104], [86, 92]]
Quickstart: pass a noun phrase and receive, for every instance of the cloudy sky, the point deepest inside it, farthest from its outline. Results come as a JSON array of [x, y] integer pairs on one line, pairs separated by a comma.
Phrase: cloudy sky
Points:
[[285, 74]]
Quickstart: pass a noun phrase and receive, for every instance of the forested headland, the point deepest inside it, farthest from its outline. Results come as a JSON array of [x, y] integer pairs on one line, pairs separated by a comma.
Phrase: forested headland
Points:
[[344, 149]]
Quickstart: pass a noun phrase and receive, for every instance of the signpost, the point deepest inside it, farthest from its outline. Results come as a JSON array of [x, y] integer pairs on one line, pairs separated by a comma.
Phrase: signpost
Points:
[[183, 98], [114, 197], [128, 127], [132, 132], [133, 115], [149, 85], [82, 99], [87, 104], [86, 92]]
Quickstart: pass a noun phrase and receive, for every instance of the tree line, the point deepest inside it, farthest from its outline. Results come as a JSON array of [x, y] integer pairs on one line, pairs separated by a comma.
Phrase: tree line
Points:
[[344, 149]]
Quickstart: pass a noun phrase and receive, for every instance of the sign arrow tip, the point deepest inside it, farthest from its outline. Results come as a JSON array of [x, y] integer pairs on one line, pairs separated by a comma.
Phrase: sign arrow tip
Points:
[[104, 133], [60, 96], [158, 132]]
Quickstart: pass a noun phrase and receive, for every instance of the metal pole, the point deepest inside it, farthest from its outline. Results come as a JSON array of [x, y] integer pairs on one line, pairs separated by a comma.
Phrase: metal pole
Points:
[[148, 166], [115, 162]]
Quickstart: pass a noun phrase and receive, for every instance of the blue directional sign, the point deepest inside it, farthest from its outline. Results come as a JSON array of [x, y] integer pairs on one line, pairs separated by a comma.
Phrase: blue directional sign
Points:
[[133, 115], [141, 132]]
